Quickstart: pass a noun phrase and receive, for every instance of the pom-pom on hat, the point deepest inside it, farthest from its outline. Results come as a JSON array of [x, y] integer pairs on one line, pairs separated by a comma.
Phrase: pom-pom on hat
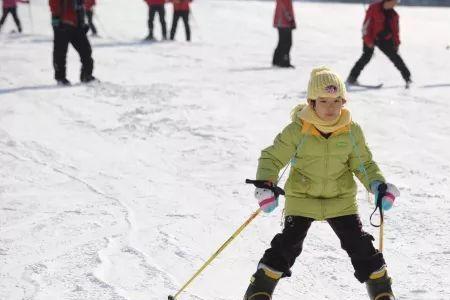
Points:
[[325, 83]]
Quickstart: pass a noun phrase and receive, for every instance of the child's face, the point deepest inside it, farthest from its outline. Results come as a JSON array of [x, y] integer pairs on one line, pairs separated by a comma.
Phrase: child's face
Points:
[[328, 109]]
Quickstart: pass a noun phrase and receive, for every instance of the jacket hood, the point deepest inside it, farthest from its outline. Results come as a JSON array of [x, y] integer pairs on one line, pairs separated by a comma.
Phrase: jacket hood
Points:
[[295, 111]]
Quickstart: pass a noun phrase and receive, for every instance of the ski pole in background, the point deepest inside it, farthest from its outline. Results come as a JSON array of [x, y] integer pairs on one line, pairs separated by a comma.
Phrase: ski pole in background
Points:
[[224, 245]]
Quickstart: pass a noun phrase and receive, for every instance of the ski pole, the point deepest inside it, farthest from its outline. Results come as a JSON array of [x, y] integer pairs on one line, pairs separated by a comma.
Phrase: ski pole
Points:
[[381, 237], [381, 192], [224, 245]]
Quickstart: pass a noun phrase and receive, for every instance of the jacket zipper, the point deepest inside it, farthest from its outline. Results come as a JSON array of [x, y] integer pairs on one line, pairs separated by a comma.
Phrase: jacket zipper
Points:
[[326, 176]]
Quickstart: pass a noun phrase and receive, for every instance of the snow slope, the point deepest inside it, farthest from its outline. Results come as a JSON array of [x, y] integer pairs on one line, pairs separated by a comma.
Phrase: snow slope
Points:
[[121, 190]]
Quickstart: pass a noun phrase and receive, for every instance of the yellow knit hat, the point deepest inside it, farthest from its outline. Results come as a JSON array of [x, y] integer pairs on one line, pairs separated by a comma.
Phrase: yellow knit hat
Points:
[[325, 83]]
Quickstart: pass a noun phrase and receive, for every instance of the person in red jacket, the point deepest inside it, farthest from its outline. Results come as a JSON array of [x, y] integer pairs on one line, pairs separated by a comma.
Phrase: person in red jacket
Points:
[[181, 10], [381, 29], [89, 7], [156, 6], [10, 7], [284, 21], [69, 27]]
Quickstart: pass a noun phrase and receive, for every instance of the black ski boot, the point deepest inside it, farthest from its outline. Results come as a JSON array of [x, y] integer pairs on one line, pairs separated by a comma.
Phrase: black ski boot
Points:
[[262, 285], [63, 82], [351, 80], [408, 83], [88, 78], [380, 288]]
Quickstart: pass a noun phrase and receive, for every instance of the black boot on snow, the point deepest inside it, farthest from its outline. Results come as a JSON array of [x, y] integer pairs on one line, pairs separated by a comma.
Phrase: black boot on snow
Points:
[[351, 80], [262, 285], [63, 82], [88, 78], [380, 288]]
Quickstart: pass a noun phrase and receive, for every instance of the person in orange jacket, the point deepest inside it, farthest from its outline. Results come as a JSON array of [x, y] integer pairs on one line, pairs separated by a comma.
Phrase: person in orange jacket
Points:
[[181, 10], [381, 29], [284, 21], [69, 27], [89, 7], [10, 7], [156, 6]]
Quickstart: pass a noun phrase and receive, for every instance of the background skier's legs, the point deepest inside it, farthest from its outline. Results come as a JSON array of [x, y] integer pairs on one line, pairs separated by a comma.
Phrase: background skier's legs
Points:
[[16, 18], [360, 64], [285, 46], [276, 55], [162, 20], [388, 48], [187, 28], [151, 17], [5, 13], [281, 55], [173, 30], [81, 43], [60, 46]]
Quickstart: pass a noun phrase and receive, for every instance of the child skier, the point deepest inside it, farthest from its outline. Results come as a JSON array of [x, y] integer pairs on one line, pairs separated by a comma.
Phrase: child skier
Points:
[[10, 7], [325, 148], [284, 21], [69, 27], [181, 10], [156, 6], [89, 7], [381, 29]]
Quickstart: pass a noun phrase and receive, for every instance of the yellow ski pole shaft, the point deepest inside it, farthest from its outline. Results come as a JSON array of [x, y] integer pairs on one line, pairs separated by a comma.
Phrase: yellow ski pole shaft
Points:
[[224, 245], [381, 236]]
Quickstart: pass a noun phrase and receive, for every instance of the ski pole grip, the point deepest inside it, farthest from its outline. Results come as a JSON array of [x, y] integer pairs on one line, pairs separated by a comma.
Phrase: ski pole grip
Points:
[[265, 184], [382, 188]]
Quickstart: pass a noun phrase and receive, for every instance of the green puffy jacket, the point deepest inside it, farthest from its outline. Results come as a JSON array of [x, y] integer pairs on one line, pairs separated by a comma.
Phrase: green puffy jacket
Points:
[[320, 183]]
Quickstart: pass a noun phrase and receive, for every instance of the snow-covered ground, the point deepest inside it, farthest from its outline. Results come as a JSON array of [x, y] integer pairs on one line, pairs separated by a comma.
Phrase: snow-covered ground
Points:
[[121, 190]]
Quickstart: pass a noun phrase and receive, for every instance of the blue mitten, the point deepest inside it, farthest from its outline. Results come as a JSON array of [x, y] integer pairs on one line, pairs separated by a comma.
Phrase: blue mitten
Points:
[[266, 199], [389, 196]]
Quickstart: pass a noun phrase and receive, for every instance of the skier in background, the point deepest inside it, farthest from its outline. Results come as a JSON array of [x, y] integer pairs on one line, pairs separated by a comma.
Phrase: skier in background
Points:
[[284, 21], [181, 10], [381, 29], [156, 6], [325, 148], [89, 7], [68, 22], [10, 7]]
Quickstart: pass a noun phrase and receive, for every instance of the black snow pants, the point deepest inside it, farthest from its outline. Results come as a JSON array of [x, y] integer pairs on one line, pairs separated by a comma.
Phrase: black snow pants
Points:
[[13, 12], [63, 35], [281, 55], [153, 9], [389, 49], [184, 14], [287, 246]]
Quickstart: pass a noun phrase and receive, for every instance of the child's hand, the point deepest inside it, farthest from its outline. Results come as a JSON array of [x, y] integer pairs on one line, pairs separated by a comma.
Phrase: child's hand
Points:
[[389, 196], [266, 199], [267, 194]]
